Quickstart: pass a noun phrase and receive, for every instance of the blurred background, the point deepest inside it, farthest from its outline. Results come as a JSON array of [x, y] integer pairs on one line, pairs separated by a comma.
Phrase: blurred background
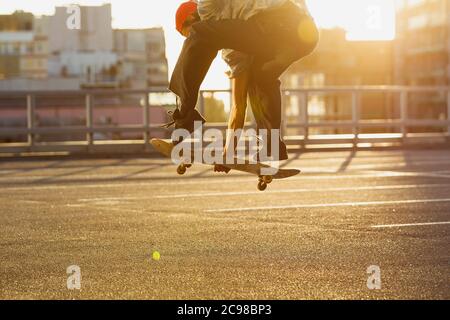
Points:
[[381, 67]]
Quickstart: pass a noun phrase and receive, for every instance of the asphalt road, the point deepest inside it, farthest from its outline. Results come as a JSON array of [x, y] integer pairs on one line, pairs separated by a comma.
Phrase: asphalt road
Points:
[[309, 237]]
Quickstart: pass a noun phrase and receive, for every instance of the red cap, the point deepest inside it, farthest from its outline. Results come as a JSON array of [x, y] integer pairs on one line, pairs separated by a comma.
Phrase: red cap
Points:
[[184, 11]]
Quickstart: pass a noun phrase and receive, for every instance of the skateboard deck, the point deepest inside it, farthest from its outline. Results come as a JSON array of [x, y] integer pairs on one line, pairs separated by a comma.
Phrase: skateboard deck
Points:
[[165, 147]]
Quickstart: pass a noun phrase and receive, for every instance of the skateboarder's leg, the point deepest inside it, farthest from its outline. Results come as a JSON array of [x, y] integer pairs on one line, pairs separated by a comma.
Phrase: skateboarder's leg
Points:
[[265, 97], [273, 37], [264, 87], [265, 100], [200, 49], [193, 64]]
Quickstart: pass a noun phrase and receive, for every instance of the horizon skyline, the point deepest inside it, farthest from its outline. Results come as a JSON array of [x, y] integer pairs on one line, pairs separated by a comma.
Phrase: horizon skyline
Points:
[[376, 22]]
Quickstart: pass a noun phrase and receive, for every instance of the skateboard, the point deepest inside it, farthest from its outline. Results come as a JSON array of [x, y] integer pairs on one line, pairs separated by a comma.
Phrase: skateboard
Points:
[[165, 148]]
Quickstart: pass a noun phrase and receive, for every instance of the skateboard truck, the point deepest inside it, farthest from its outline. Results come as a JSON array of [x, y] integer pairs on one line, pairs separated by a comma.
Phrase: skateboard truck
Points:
[[263, 182], [182, 168]]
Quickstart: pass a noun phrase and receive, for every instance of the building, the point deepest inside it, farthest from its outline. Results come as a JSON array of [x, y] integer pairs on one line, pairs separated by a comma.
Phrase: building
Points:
[[86, 58], [423, 39], [142, 57], [37, 47], [18, 21], [23, 55], [91, 66], [85, 53], [338, 62], [95, 33], [422, 55]]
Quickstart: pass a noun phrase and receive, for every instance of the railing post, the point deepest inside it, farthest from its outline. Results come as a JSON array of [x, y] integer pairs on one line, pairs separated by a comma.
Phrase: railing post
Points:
[[404, 113], [355, 117], [231, 94], [448, 113], [89, 120], [146, 120], [30, 118], [305, 116], [283, 128], [201, 103]]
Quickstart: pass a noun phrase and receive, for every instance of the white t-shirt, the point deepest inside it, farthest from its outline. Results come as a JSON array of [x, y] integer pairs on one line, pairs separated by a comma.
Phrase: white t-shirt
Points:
[[238, 9], [234, 9]]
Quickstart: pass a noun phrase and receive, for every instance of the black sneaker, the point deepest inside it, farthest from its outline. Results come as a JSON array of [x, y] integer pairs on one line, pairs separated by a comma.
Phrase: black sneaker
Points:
[[186, 122], [282, 152]]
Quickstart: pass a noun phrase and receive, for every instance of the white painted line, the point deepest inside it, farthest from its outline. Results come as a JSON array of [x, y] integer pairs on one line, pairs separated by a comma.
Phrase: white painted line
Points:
[[400, 164], [410, 225], [435, 175], [307, 169], [368, 188], [430, 174], [214, 180], [109, 199], [326, 205], [32, 201]]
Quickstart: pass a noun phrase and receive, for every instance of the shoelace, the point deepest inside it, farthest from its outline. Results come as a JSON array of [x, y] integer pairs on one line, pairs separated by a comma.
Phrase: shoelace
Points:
[[170, 123], [170, 113]]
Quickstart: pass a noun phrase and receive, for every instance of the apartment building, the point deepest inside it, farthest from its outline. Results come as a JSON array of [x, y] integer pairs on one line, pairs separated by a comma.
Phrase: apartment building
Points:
[[142, 57], [422, 53], [339, 62], [23, 54]]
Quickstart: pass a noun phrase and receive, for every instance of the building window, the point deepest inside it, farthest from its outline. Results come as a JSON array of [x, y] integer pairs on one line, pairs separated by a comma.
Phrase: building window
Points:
[[413, 3], [417, 22]]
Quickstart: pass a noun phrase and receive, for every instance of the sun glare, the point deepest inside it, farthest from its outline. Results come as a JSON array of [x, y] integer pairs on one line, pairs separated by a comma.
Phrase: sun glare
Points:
[[363, 19]]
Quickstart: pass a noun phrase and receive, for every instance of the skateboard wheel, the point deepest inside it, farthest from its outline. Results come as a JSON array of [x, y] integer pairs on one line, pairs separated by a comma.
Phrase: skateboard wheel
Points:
[[181, 169], [262, 186], [268, 179]]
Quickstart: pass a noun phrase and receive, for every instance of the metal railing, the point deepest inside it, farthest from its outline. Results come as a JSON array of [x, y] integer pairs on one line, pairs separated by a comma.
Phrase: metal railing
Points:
[[356, 124]]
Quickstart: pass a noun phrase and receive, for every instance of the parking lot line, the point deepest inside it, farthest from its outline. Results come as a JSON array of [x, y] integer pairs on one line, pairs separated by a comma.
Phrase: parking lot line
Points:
[[410, 225], [211, 180], [342, 189], [326, 205]]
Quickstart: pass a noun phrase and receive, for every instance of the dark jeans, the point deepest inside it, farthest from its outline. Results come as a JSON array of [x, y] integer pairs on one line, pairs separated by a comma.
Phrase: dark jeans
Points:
[[272, 37]]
